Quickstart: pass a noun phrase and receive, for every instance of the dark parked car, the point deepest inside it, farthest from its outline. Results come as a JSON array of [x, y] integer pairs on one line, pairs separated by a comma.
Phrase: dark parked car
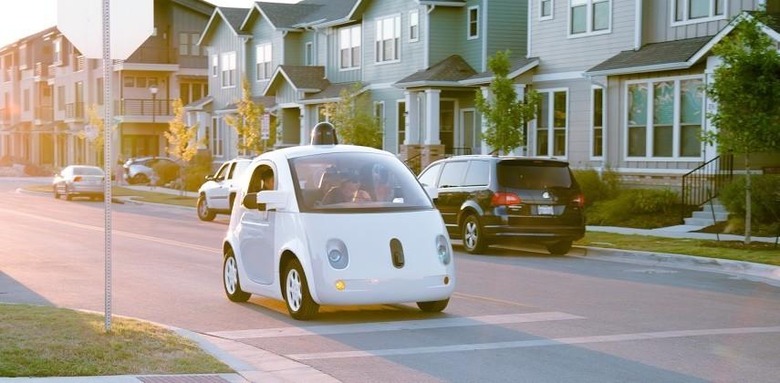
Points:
[[488, 199], [141, 170]]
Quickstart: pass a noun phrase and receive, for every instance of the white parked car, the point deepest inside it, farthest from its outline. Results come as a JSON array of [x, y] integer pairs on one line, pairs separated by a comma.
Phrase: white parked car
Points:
[[216, 195], [79, 181], [340, 225]]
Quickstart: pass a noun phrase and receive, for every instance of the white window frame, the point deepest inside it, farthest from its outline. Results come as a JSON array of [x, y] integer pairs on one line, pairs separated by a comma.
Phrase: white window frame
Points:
[[57, 53], [216, 138], [382, 24], [350, 40], [589, 12], [472, 20], [214, 65], [598, 125], [194, 47], [551, 129], [649, 124], [184, 44], [685, 17], [414, 26], [228, 69], [542, 16], [263, 59], [308, 53]]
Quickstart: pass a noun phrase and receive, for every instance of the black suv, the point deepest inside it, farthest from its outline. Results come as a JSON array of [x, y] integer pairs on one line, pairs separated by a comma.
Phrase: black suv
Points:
[[487, 199]]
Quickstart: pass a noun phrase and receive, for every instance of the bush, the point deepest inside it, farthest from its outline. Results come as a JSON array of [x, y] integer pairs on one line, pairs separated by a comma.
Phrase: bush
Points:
[[764, 196], [597, 187], [196, 171], [166, 172], [642, 208]]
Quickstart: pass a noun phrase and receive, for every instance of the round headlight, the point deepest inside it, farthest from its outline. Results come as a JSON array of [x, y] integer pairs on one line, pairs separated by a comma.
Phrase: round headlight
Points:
[[443, 249], [336, 251]]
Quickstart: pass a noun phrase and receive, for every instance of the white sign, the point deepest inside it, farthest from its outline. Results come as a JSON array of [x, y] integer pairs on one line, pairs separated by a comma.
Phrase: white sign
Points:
[[81, 21], [265, 127]]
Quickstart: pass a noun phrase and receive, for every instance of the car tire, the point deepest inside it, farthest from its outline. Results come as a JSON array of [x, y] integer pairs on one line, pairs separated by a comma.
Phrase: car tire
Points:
[[474, 241], [433, 306], [230, 279], [140, 178], [68, 197], [295, 291], [56, 193], [204, 214], [561, 247]]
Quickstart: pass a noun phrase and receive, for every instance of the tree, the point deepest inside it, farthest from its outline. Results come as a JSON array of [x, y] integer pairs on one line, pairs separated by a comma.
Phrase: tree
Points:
[[746, 88], [95, 133], [353, 118], [505, 114], [246, 121], [182, 143]]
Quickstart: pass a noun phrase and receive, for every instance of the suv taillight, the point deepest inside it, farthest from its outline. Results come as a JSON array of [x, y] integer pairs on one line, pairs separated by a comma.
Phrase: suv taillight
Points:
[[505, 199], [579, 200]]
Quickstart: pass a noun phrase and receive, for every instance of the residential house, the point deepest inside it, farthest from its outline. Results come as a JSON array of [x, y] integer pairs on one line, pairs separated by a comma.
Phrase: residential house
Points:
[[50, 90]]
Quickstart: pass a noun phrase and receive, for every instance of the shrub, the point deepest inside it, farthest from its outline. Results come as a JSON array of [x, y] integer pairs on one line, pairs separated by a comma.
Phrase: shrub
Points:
[[166, 172], [597, 187], [197, 170], [764, 198], [643, 208]]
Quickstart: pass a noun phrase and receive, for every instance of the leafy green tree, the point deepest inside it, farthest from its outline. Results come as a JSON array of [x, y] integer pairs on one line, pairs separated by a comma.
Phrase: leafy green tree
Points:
[[353, 118], [246, 122], [746, 88], [182, 139], [505, 114]]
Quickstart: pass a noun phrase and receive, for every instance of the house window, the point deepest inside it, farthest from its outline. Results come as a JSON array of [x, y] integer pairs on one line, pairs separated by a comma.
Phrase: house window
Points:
[[309, 54], [414, 26], [665, 118], [597, 128], [379, 114], [388, 36], [214, 65], [184, 45], [215, 138], [61, 98], [349, 47], [228, 66], [693, 11], [545, 9], [263, 64], [57, 57], [400, 119], [589, 16], [194, 47], [551, 126], [473, 22]]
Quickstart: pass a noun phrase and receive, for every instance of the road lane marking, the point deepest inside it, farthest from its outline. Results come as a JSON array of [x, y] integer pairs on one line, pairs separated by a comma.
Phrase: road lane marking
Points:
[[117, 232], [535, 343], [394, 326]]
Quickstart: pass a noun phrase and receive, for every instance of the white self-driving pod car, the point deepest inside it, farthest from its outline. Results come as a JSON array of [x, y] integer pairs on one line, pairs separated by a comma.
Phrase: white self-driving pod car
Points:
[[330, 224]]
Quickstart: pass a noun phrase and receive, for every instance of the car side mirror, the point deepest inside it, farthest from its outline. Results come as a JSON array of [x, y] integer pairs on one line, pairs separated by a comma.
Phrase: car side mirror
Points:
[[272, 199]]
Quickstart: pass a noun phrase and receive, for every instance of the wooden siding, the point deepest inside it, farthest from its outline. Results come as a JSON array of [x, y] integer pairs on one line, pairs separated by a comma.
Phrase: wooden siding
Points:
[[333, 72], [560, 53], [657, 26], [262, 33], [190, 22], [292, 49], [286, 94], [224, 40], [447, 34], [411, 55], [507, 27]]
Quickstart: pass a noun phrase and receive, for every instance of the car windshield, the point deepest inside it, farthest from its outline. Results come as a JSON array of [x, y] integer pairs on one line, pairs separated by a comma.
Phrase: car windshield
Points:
[[339, 182], [538, 175], [87, 171]]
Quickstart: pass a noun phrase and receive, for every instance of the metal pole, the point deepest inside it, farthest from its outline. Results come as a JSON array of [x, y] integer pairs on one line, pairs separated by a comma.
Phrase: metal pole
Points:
[[107, 162]]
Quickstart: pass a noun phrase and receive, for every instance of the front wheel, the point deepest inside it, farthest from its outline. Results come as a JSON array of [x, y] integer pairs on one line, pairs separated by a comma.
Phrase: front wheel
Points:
[[434, 306], [559, 248], [230, 279], [474, 241], [68, 197], [56, 193], [203, 210], [296, 294]]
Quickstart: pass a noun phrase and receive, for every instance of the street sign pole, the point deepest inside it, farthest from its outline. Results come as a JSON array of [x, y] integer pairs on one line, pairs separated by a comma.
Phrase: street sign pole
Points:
[[107, 153]]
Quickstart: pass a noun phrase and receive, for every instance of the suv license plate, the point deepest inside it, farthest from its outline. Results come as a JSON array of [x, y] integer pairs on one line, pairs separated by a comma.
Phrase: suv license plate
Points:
[[545, 210]]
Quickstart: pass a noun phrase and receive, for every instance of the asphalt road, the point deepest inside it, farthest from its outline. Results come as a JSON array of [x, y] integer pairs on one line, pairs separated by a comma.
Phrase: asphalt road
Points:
[[517, 316]]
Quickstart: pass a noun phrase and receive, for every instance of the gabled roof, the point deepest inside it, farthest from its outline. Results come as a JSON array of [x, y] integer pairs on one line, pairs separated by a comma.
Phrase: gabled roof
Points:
[[670, 55], [443, 3], [310, 79], [199, 104], [304, 14], [519, 67], [330, 94], [447, 72], [233, 17], [201, 6]]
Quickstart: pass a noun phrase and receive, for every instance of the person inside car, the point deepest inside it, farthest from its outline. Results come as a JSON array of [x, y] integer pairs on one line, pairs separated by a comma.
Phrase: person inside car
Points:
[[348, 191], [268, 179]]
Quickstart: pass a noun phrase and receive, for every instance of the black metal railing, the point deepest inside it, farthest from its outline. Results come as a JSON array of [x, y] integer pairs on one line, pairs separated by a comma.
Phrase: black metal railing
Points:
[[143, 107], [702, 184], [74, 110]]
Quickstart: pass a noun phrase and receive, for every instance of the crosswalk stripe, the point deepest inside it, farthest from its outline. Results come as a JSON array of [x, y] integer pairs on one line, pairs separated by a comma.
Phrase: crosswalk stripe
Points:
[[534, 343], [394, 326]]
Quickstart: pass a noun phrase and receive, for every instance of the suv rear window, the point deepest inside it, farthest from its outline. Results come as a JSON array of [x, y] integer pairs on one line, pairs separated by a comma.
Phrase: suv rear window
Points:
[[533, 175]]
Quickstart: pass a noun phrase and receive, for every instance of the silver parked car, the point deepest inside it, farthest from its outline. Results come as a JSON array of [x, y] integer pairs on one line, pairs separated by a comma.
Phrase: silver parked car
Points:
[[79, 181], [141, 170]]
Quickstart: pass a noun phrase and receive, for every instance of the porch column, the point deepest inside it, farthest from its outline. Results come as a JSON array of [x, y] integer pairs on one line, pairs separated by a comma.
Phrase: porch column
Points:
[[432, 97], [304, 127], [483, 123], [411, 119]]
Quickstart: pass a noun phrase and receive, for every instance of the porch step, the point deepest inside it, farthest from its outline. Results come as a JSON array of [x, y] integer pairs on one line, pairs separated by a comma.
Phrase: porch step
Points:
[[706, 217]]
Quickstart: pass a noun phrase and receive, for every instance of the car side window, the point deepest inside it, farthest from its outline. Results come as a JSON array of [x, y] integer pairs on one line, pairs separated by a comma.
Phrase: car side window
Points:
[[222, 171], [231, 168], [478, 173], [428, 177], [452, 174]]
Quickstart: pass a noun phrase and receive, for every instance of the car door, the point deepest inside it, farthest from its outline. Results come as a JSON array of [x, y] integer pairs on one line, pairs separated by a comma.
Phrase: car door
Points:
[[218, 196], [257, 232], [451, 193]]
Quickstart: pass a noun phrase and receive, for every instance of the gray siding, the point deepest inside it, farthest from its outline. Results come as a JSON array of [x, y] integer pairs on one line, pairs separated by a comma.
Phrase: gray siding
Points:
[[658, 27], [292, 49], [333, 73], [561, 53], [262, 33], [411, 56], [507, 27], [223, 40], [446, 34], [187, 21]]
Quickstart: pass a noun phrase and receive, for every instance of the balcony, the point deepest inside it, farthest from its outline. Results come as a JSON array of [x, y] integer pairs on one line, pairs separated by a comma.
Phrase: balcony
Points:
[[43, 114], [138, 107], [41, 71], [74, 111]]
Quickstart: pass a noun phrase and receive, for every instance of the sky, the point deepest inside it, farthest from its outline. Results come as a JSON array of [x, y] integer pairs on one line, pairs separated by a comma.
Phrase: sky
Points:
[[20, 18]]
